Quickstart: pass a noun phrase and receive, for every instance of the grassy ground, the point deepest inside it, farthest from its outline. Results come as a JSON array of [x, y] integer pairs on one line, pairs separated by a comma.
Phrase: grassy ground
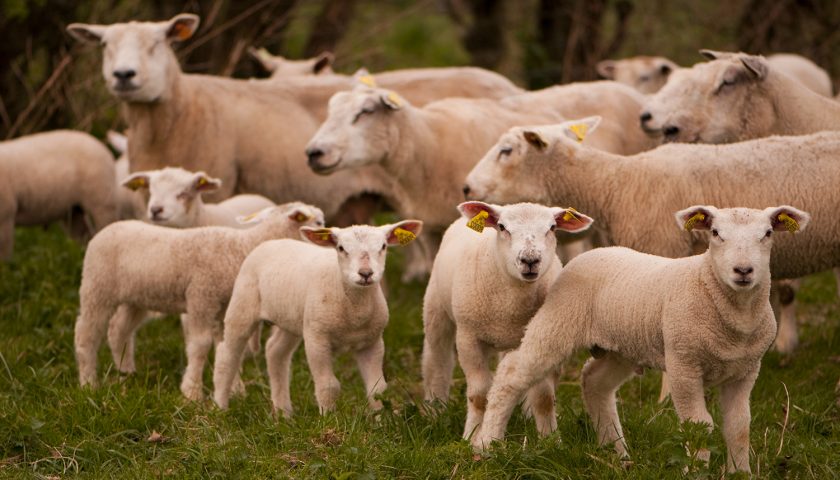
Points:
[[141, 427]]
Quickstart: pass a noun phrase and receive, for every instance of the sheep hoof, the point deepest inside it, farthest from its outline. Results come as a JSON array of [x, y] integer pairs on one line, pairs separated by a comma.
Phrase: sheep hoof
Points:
[[193, 393]]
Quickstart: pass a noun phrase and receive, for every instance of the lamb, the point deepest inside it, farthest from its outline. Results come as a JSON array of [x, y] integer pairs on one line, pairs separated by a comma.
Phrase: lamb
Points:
[[280, 67], [645, 74], [207, 123], [551, 167], [174, 199], [330, 298], [483, 290], [736, 97], [705, 319], [146, 267], [43, 176]]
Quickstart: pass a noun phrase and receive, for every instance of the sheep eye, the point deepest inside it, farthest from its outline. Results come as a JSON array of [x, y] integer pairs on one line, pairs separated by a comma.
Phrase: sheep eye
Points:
[[341, 249], [362, 112], [505, 151], [383, 247], [319, 223], [769, 232], [644, 78], [501, 228], [714, 233]]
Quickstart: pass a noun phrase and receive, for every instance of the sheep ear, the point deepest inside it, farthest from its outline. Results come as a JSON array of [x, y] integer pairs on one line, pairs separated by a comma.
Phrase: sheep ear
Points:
[[181, 27], [606, 69], [86, 33], [755, 65], [364, 79], [403, 233], [324, 237], [392, 101], [577, 130], [117, 140], [136, 181], [266, 60], [324, 60], [300, 216], [570, 220], [788, 218], [257, 217], [697, 217], [715, 55], [534, 139], [480, 215], [205, 183], [666, 68]]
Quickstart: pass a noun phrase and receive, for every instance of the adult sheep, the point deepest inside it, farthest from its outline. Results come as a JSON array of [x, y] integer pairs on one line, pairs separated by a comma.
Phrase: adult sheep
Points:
[[247, 133], [551, 167]]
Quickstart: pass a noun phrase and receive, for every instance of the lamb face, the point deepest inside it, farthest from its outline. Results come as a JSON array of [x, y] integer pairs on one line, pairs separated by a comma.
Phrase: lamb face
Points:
[[171, 194], [741, 239], [512, 170], [710, 102], [361, 249], [645, 74], [359, 130], [525, 240], [137, 57]]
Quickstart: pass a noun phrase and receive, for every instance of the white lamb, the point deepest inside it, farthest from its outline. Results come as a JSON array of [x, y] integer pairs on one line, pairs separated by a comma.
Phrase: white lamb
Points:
[[174, 199], [43, 176], [484, 289], [329, 298], [705, 319], [145, 267]]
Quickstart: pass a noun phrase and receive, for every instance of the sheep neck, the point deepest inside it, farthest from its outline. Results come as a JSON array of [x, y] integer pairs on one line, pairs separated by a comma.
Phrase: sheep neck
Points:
[[739, 310], [798, 110], [152, 122]]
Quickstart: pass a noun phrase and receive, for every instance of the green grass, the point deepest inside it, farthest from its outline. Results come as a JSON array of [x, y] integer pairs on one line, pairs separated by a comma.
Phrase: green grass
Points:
[[49, 427]]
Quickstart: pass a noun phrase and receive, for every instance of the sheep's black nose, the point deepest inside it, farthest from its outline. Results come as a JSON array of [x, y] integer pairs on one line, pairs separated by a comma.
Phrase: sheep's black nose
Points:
[[314, 154], [466, 190], [670, 130], [743, 270], [531, 262], [366, 273], [645, 117], [155, 211], [125, 74]]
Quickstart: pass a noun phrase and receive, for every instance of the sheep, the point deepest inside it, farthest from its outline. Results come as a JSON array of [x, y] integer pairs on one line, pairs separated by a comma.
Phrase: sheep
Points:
[[175, 199], [705, 319], [207, 123], [550, 166], [146, 267], [130, 204], [280, 67], [483, 290], [329, 298], [645, 74], [43, 176], [736, 97], [649, 74]]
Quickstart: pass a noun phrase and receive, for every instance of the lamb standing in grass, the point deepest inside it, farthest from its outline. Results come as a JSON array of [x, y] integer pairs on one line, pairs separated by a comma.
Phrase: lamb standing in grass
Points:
[[705, 319], [145, 267], [484, 289], [174, 199], [43, 176], [329, 298]]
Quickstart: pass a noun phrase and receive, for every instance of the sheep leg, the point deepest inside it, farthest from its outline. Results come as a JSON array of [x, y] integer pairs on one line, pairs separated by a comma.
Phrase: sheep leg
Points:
[[199, 326], [474, 358], [102, 212], [689, 401], [319, 357], [601, 379], [665, 389], [91, 327], [255, 342], [438, 360], [279, 348], [241, 317], [370, 361], [121, 332], [735, 405], [787, 337], [540, 403]]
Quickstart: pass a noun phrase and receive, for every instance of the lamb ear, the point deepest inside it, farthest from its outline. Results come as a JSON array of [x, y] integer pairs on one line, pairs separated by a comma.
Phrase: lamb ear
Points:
[[570, 220], [86, 33], [606, 69], [480, 215], [577, 130], [300, 216], [324, 237], [392, 100], [364, 79], [715, 55], [136, 181], [181, 27], [698, 217], [324, 60], [257, 217], [666, 68], [755, 65], [205, 183], [788, 218], [534, 139], [404, 232], [264, 57]]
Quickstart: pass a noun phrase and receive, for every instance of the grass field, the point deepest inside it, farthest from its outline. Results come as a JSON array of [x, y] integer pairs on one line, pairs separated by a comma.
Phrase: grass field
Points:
[[141, 427]]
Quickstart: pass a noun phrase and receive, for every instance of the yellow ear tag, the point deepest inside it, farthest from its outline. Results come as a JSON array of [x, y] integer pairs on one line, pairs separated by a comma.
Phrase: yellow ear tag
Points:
[[580, 130], [138, 182], [404, 236], [791, 224], [202, 181], [697, 217], [301, 217], [570, 214], [367, 80], [477, 222], [395, 99], [324, 235]]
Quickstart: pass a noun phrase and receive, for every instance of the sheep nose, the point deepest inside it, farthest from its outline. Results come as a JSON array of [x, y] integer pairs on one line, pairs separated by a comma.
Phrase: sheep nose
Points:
[[314, 154], [366, 273], [670, 130], [531, 262], [155, 211], [744, 271], [645, 117], [466, 191], [125, 74]]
